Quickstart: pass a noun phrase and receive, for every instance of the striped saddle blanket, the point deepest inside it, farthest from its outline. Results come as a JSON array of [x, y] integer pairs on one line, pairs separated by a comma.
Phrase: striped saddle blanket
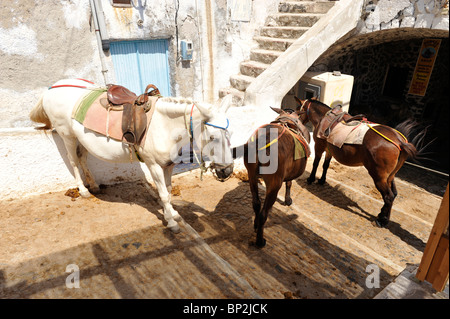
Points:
[[92, 112]]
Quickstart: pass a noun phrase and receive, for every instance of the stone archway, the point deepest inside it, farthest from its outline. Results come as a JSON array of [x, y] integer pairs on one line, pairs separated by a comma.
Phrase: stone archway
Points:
[[378, 57]]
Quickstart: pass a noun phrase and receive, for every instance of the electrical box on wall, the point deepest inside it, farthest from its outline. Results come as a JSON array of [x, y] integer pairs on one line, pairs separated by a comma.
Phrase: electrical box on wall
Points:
[[186, 50], [331, 88]]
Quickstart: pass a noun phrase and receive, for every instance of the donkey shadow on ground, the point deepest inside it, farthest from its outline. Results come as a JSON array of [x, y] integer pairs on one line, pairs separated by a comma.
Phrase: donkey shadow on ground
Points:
[[334, 195]]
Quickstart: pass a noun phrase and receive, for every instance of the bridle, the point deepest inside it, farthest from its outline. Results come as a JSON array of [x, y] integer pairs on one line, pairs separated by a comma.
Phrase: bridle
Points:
[[302, 111], [212, 165]]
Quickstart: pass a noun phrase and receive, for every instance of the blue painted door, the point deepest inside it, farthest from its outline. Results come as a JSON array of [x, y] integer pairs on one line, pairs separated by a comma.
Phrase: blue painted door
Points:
[[139, 63]]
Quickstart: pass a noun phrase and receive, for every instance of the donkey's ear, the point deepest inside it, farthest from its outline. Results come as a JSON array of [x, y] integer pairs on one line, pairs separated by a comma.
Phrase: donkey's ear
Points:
[[226, 103], [205, 110], [299, 101], [276, 109]]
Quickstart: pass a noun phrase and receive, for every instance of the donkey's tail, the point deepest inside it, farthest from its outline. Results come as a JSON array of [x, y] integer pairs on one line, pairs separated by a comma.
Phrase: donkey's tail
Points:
[[240, 151], [415, 133], [38, 115]]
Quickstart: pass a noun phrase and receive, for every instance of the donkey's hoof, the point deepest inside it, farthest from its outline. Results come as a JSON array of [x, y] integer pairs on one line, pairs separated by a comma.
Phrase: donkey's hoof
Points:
[[175, 229], [310, 180], [176, 217], [380, 223], [321, 181], [260, 243], [288, 201], [94, 190], [85, 193]]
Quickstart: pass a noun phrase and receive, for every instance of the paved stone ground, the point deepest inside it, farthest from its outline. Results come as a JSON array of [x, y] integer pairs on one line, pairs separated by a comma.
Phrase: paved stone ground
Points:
[[319, 247]]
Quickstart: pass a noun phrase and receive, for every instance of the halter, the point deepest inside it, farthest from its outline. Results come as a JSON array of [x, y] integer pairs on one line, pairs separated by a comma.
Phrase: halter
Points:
[[203, 168], [307, 109]]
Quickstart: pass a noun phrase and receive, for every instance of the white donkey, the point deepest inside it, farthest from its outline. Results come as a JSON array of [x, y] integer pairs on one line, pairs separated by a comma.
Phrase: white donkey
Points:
[[175, 122]]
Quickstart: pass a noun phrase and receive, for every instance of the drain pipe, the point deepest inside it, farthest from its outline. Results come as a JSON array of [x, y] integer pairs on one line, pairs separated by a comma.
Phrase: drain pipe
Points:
[[101, 24], [99, 40]]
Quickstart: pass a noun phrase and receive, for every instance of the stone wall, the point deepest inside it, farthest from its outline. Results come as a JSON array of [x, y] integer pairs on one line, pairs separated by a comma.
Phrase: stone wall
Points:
[[387, 14], [369, 66], [42, 42], [390, 34]]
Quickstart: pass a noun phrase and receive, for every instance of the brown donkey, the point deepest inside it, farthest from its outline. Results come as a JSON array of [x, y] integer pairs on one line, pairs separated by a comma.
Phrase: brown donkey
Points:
[[382, 152], [278, 153]]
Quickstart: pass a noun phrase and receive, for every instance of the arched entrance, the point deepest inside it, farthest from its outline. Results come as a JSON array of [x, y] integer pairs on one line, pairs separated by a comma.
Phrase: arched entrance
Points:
[[383, 64]]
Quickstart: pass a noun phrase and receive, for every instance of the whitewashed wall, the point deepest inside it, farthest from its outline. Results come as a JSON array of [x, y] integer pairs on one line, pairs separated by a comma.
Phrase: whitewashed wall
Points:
[[43, 41]]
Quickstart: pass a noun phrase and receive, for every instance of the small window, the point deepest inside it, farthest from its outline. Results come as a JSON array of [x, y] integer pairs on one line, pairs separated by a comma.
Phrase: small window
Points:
[[121, 3], [395, 82]]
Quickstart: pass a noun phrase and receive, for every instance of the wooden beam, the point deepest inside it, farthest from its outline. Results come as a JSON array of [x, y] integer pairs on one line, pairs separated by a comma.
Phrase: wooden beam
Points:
[[439, 227]]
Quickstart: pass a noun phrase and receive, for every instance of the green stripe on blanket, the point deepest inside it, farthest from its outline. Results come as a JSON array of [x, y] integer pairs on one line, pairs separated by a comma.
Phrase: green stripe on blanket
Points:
[[299, 151], [85, 104]]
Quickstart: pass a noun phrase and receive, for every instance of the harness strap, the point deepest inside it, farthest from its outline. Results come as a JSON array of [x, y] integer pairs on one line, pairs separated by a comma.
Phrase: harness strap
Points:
[[387, 138], [274, 140], [307, 108], [203, 167], [294, 135], [85, 80], [67, 85]]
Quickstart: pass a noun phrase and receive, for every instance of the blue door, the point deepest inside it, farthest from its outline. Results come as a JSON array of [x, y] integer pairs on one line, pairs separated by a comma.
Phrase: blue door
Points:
[[140, 63]]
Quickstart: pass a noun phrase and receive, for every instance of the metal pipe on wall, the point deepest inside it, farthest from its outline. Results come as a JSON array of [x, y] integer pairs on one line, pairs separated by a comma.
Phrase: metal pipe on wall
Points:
[[99, 41], [101, 24]]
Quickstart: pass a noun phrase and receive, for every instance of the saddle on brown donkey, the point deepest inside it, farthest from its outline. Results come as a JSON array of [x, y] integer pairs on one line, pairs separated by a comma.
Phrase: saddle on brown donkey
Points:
[[382, 152], [278, 153]]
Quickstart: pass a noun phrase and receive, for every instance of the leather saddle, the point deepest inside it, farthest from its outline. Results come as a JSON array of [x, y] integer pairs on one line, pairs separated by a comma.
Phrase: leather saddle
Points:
[[295, 125], [134, 108], [333, 117]]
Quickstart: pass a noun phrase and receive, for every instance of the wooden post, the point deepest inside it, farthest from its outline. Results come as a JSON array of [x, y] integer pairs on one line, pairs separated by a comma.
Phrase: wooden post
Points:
[[434, 266]]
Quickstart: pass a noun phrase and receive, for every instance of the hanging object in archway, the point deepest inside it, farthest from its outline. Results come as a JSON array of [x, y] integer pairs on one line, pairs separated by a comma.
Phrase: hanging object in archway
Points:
[[424, 66]]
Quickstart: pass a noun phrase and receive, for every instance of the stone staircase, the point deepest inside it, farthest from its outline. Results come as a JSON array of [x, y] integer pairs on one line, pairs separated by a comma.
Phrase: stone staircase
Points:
[[293, 19]]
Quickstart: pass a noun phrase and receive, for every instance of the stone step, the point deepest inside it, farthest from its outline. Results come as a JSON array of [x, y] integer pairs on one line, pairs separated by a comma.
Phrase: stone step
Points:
[[305, 6], [238, 96], [293, 19], [253, 68], [283, 32], [275, 44], [264, 56], [241, 81]]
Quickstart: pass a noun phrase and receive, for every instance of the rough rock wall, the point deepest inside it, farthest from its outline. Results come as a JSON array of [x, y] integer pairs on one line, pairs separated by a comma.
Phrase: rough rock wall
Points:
[[386, 14], [390, 34]]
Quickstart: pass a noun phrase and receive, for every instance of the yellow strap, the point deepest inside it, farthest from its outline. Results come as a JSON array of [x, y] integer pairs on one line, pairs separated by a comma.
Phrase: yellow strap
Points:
[[387, 138], [271, 142], [406, 140], [268, 144]]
